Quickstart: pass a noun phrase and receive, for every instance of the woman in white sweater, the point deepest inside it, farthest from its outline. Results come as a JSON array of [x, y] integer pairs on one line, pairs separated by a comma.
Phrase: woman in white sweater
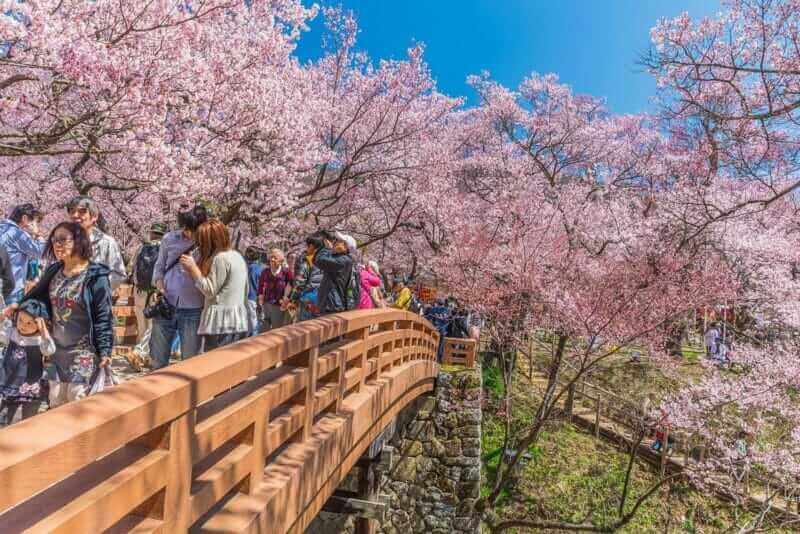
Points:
[[222, 278]]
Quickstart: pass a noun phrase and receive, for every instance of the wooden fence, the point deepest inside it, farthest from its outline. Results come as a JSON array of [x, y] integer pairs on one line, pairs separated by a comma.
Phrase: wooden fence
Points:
[[252, 435], [458, 351], [611, 416]]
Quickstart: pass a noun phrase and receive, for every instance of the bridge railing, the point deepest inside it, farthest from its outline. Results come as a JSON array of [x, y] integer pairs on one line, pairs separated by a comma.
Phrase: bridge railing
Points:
[[160, 453], [458, 351]]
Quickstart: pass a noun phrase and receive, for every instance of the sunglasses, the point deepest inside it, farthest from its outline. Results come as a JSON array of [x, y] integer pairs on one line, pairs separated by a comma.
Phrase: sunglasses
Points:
[[78, 211], [61, 241]]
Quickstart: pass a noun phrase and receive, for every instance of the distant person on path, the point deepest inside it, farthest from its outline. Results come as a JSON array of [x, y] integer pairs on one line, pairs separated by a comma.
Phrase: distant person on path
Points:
[[255, 267], [307, 280], [23, 241], [76, 293], [711, 338], [274, 289], [22, 382], [144, 264], [336, 264], [84, 211], [222, 278], [179, 290], [662, 429]]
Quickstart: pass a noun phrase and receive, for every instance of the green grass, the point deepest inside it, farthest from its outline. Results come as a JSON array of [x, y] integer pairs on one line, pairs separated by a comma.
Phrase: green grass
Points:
[[570, 474]]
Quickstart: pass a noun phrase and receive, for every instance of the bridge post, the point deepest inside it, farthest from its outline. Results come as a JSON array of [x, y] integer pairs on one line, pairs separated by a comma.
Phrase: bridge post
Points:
[[368, 484]]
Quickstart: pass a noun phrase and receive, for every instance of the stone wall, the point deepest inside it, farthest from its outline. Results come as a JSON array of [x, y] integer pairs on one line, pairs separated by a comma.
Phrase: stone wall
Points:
[[435, 480]]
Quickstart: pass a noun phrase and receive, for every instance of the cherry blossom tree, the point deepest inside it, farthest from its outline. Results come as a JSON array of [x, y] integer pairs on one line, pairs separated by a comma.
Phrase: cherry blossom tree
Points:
[[386, 128], [729, 94], [147, 103]]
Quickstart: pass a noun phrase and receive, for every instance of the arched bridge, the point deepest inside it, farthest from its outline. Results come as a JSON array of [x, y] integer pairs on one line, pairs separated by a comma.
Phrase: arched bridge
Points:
[[253, 437]]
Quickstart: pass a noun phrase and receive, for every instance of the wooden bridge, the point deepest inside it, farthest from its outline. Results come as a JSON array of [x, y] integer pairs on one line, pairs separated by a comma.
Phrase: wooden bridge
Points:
[[253, 437]]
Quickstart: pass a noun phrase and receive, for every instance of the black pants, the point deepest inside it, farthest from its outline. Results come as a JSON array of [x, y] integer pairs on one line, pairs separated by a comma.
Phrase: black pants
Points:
[[29, 409]]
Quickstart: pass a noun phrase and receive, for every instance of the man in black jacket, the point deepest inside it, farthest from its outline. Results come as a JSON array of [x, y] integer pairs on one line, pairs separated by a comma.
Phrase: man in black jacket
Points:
[[336, 264]]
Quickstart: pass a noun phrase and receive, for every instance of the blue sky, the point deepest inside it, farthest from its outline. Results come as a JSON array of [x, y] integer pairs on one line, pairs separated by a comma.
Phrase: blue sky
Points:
[[593, 45]]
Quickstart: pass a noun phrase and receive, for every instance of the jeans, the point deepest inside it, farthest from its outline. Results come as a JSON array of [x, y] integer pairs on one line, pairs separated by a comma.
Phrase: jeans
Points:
[[255, 320], [215, 341], [185, 323]]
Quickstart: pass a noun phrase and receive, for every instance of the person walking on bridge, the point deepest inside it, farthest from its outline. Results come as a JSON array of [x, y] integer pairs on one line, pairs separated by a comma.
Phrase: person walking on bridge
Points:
[[222, 278], [177, 287], [105, 249], [23, 241], [274, 288]]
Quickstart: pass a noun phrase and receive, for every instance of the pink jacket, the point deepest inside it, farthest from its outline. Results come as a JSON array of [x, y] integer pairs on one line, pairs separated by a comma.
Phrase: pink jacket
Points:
[[368, 281]]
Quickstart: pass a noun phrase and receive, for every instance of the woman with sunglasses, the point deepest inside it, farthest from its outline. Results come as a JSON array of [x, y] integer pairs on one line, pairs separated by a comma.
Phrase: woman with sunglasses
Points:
[[77, 296]]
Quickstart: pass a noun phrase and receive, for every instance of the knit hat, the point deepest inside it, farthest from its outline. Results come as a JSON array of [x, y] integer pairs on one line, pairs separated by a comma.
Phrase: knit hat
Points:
[[348, 240], [34, 308]]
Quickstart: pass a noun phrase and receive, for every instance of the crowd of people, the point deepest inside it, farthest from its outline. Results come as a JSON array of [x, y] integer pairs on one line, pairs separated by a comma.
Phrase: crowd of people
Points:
[[193, 292]]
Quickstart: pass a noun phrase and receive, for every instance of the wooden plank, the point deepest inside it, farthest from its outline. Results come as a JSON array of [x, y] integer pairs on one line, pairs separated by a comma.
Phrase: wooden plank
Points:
[[108, 502], [210, 486], [357, 507], [124, 311], [134, 524]]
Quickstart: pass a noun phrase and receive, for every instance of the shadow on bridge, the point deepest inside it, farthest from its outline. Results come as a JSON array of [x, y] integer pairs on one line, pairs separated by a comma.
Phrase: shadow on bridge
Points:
[[253, 437]]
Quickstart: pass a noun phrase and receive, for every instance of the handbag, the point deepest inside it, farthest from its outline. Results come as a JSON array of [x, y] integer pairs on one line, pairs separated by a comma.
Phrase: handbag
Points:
[[104, 379], [377, 298]]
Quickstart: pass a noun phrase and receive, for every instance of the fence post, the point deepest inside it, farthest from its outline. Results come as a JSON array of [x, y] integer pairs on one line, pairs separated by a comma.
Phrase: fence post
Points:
[[471, 350], [362, 335], [570, 401], [311, 390], [597, 418]]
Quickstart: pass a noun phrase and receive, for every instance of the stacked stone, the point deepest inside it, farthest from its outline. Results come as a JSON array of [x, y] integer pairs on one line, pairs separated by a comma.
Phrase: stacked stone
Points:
[[436, 481]]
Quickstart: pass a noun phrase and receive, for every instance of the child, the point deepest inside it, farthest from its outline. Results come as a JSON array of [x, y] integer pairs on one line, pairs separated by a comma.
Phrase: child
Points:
[[21, 379]]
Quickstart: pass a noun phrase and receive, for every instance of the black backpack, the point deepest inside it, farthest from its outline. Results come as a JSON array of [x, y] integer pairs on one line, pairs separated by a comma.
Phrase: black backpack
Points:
[[145, 265], [415, 306], [353, 297]]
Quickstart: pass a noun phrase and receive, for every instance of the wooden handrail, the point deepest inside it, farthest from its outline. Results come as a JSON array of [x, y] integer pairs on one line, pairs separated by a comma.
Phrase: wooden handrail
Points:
[[164, 452], [460, 351]]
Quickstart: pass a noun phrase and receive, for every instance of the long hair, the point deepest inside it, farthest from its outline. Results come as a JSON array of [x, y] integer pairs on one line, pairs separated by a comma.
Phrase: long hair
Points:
[[212, 237]]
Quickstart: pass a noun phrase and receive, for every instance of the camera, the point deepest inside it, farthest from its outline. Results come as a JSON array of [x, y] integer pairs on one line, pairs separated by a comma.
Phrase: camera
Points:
[[160, 309]]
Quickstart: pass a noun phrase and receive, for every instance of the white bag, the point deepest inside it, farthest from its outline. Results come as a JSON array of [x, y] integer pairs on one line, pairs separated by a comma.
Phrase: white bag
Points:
[[105, 379]]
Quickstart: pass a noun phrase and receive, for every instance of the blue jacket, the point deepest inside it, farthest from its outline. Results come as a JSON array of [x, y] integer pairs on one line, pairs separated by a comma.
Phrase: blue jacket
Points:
[[97, 299], [440, 317], [21, 247], [254, 271]]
